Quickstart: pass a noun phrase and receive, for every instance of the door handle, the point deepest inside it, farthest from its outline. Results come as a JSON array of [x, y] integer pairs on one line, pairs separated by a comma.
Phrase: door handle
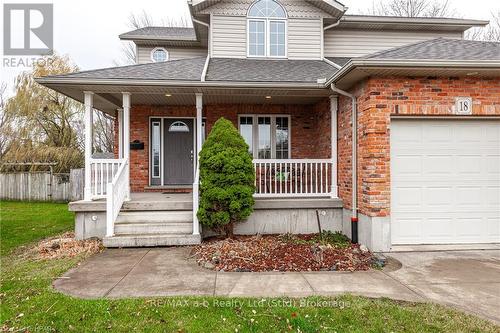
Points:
[[192, 155]]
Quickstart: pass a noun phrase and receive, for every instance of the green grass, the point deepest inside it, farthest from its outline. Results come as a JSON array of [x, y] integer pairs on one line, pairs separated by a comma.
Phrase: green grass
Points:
[[29, 303], [22, 223]]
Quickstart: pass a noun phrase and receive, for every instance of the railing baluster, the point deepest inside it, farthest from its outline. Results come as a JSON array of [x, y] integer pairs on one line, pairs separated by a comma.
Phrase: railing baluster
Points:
[[315, 172], [326, 178], [295, 177]]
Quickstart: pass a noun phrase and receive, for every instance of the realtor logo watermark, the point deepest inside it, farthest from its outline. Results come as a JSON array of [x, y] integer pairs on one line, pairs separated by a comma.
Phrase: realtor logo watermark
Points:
[[28, 30]]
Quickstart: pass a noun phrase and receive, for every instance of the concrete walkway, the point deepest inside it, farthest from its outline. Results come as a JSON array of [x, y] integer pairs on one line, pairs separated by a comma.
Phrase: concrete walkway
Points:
[[469, 280]]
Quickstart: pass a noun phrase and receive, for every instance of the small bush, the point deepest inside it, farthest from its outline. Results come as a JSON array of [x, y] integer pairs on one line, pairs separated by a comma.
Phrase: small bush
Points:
[[336, 239], [227, 179]]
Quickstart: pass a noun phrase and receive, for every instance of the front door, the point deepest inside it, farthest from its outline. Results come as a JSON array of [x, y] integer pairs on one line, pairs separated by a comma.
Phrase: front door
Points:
[[178, 151]]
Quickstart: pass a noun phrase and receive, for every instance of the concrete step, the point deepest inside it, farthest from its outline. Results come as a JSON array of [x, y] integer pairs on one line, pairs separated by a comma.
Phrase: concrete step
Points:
[[154, 228], [174, 204], [151, 240], [154, 216]]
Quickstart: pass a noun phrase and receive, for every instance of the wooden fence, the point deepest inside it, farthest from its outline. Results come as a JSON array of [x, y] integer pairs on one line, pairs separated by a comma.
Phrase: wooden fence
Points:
[[42, 186]]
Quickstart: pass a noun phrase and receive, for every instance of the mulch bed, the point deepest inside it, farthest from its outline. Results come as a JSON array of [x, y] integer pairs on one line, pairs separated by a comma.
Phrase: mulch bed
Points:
[[64, 246], [278, 253]]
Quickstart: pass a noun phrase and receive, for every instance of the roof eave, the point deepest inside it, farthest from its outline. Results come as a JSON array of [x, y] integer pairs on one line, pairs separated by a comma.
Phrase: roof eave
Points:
[[176, 83], [411, 63], [413, 20]]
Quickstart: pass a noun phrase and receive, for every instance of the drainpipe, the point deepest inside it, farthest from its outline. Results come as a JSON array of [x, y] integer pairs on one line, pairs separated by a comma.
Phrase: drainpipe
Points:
[[354, 216]]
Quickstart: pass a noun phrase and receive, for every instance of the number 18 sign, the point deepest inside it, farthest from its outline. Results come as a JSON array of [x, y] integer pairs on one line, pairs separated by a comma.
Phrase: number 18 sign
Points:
[[463, 105]]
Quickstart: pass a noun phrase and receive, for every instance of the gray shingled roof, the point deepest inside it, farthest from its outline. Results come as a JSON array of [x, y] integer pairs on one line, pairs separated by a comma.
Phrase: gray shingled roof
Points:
[[182, 70], [163, 33], [219, 69], [341, 61], [443, 49], [257, 70]]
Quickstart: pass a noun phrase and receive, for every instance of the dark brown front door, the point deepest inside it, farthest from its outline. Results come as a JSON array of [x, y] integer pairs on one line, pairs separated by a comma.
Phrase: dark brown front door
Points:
[[179, 151]]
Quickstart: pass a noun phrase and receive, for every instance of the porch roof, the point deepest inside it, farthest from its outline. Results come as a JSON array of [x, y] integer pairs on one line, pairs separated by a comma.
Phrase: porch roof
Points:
[[221, 80], [217, 70], [440, 57]]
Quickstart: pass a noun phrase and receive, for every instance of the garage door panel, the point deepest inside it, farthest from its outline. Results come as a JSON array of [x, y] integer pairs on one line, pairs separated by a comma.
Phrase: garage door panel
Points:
[[437, 133], [409, 198], [468, 164], [493, 229], [492, 163], [492, 196], [437, 164], [438, 196], [408, 165], [445, 181]]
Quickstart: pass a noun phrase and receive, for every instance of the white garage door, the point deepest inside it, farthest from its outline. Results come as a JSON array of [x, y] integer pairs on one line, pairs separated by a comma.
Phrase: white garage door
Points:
[[445, 181]]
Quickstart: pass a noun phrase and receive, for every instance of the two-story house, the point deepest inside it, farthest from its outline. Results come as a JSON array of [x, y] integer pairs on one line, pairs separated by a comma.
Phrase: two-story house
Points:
[[298, 78]]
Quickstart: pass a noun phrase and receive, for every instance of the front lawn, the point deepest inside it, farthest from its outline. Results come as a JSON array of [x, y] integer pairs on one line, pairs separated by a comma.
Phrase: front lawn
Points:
[[29, 304], [26, 222]]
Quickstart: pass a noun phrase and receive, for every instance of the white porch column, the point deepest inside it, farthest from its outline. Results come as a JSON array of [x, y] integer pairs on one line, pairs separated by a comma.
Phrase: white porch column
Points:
[[119, 117], [334, 102], [88, 103], [126, 139], [196, 184]]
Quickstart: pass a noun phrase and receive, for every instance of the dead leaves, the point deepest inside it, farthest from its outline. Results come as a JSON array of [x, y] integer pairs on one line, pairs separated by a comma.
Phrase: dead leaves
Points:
[[274, 253]]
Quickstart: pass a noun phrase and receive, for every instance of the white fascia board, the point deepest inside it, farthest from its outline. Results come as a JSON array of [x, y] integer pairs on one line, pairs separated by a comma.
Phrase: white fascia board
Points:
[[87, 81], [412, 63], [411, 20]]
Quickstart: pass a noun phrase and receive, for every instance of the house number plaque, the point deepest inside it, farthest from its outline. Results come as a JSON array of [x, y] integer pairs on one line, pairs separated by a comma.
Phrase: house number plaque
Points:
[[463, 105]]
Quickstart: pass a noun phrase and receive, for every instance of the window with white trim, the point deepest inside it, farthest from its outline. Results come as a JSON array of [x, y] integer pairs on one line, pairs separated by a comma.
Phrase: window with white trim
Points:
[[266, 29], [159, 54], [155, 148], [267, 136]]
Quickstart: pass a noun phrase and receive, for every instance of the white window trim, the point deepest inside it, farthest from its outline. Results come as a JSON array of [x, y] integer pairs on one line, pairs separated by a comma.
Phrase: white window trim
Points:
[[158, 49], [267, 32], [158, 122], [255, 132], [267, 35]]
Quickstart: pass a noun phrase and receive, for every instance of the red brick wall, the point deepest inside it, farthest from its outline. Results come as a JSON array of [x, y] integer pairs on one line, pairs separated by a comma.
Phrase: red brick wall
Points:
[[378, 100], [310, 129]]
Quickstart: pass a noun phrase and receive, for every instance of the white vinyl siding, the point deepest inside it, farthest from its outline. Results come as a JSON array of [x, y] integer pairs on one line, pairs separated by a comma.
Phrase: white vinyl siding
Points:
[[304, 39], [174, 53], [229, 36], [357, 43]]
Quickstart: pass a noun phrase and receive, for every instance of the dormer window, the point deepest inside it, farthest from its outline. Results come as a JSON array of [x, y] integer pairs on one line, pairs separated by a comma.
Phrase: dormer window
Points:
[[266, 30], [159, 54]]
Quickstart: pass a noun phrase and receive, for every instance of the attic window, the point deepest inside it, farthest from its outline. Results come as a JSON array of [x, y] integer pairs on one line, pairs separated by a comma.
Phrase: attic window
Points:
[[159, 54], [266, 29]]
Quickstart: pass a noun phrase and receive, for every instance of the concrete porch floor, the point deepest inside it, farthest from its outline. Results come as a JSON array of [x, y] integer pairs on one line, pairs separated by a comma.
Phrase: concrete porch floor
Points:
[[468, 280]]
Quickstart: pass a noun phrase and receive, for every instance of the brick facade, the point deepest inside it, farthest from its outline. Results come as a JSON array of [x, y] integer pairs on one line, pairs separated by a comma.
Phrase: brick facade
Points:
[[378, 100], [310, 129]]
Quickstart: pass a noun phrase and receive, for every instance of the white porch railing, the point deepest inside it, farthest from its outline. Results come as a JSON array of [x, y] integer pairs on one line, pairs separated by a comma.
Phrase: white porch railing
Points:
[[102, 173], [293, 177], [116, 195]]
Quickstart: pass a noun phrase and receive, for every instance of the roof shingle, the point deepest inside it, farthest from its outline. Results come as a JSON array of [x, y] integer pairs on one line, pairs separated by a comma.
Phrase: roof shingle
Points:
[[257, 70], [182, 70], [443, 49], [163, 33]]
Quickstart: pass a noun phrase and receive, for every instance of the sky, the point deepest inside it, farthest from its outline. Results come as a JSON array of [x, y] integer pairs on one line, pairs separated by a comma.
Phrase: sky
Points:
[[87, 31]]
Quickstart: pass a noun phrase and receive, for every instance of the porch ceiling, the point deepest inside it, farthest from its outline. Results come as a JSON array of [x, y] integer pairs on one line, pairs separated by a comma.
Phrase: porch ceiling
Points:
[[108, 98]]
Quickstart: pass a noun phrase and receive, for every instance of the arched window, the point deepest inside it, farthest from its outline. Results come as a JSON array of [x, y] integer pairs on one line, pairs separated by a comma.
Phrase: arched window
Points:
[[178, 126], [266, 29], [159, 54]]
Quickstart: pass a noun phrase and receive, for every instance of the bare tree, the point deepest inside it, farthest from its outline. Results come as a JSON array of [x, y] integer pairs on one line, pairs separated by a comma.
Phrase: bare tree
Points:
[[412, 8], [104, 132], [489, 33]]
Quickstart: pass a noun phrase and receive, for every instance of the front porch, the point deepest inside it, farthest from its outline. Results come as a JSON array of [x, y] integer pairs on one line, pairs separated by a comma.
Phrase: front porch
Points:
[[163, 218], [158, 139]]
